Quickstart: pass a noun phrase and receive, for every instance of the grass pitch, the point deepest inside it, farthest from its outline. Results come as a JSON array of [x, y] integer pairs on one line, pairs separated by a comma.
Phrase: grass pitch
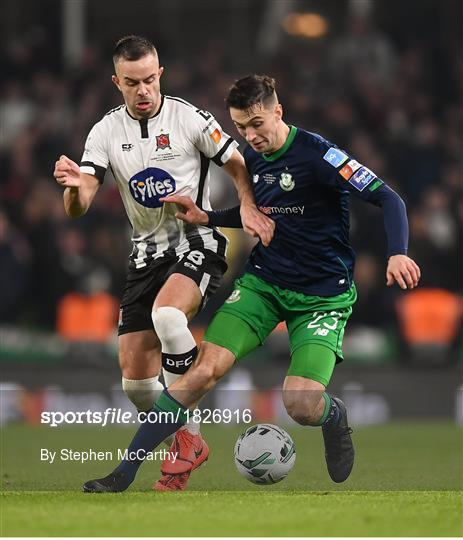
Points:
[[406, 482]]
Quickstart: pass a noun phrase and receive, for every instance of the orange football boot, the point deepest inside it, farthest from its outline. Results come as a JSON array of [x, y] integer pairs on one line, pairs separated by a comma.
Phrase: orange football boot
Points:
[[191, 451]]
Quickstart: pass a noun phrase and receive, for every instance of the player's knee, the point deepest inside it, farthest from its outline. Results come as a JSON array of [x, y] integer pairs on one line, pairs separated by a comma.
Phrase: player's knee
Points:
[[169, 322], [143, 393]]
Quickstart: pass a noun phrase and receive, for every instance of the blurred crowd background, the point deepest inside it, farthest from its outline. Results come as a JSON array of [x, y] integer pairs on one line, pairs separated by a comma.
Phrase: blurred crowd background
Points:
[[382, 79]]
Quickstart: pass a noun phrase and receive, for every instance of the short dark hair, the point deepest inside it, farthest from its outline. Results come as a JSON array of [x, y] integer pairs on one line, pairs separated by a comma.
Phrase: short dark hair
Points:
[[133, 48], [251, 90]]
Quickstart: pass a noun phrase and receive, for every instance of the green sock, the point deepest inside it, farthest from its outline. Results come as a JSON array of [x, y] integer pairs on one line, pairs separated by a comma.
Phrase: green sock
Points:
[[326, 410], [166, 403]]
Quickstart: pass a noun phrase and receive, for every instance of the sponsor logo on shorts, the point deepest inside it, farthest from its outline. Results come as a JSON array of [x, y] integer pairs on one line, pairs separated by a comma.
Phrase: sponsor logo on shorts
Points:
[[362, 178], [234, 297], [335, 157], [349, 168], [126, 147], [148, 186], [255, 178]]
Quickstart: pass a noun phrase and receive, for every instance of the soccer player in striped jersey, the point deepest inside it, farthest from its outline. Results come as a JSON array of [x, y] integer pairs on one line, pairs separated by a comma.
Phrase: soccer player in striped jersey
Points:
[[304, 277], [156, 145]]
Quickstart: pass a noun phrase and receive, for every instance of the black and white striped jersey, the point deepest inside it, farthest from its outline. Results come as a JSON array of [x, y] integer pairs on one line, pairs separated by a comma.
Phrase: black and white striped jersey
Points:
[[152, 158]]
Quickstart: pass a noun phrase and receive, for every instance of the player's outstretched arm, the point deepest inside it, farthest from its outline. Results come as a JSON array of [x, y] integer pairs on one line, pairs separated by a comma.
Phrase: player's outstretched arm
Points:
[[191, 213], [403, 271], [80, 189], [254, 222]]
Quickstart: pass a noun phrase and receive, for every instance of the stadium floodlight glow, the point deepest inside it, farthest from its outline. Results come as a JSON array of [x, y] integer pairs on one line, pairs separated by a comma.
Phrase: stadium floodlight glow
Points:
[[308, 25]]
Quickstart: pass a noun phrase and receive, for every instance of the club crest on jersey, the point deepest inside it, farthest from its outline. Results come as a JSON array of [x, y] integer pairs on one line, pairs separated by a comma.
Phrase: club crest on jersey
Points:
[[286, 182], [162, 141], [234, 297], [148, 186]]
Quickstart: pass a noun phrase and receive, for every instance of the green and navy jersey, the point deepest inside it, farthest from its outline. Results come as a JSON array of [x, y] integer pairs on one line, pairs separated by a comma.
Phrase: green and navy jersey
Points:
[[304, 187]]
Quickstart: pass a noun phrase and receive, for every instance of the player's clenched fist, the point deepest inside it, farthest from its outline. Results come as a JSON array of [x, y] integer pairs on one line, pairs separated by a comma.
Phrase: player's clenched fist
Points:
[[67, 172]]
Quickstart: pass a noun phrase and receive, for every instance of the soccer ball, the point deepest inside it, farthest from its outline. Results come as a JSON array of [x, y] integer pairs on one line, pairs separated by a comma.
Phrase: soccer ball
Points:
[[264, 454]]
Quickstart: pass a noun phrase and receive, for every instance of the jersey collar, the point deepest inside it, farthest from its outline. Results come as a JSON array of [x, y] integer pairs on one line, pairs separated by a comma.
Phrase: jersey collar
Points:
[[275, 155], [151, 117], [144, 121]]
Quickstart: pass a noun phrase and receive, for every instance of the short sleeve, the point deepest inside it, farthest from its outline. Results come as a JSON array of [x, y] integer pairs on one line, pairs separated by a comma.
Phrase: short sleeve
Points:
[[95, 158], [211, 139]]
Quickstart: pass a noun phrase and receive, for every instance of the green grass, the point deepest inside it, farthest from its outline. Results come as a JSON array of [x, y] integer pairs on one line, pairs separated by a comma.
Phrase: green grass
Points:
[[233, 514], [406, 482]]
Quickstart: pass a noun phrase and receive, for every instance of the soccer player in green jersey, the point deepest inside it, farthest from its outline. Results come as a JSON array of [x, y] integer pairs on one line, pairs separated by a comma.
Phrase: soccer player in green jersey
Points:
[[304, 277]]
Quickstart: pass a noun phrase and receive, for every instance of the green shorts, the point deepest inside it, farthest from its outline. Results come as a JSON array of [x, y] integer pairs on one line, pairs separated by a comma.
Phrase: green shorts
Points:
[[262, 306]]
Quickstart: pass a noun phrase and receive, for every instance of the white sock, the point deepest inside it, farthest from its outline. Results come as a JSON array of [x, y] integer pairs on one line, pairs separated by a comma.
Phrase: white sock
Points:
[[143, 393]]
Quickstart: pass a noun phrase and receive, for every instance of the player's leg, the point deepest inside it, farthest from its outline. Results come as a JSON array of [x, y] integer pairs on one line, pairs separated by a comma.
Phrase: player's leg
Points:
[[210, 366], [194, 277], [171, 313], [140, 363], [139, 347], [241, 325], [190, 281], [212, 363], [303, 395], [233, 337], [316, 346], [176, 304], [330, 413], [230, 336]]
